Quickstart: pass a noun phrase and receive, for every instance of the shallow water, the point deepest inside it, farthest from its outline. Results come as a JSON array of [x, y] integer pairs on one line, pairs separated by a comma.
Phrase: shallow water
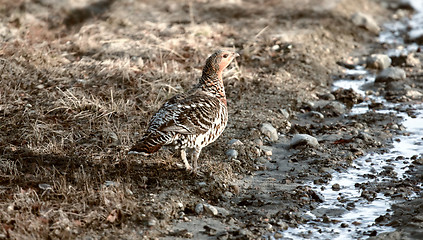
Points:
[[360, 220]]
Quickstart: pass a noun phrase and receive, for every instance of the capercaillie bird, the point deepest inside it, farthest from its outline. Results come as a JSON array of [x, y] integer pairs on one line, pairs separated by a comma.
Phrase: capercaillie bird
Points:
[[194, 119]]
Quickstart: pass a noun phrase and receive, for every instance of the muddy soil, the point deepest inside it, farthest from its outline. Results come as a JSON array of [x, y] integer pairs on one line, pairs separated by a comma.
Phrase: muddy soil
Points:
[[80, 80]]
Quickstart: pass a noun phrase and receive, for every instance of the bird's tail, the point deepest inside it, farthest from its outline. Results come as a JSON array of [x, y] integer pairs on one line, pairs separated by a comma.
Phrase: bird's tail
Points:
[[148, 144]]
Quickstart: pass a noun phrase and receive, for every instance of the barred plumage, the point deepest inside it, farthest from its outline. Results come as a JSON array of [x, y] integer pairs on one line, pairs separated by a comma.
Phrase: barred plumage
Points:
[[194, 119]]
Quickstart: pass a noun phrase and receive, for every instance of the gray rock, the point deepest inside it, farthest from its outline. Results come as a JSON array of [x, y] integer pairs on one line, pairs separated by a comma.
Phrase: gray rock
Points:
[[336, 187], [199, 208], [366, 137], [282, 224], [258, 142], [45, 186], [284, 113], [232, 153], [414, 94], [378, 61], [210, 209], [223, 211], [278, 235], [391, 74], [235, 142], [363, 20], [267, 150], [316, 114], [303, 139], [412, 60], [268, 130], [330, 108]]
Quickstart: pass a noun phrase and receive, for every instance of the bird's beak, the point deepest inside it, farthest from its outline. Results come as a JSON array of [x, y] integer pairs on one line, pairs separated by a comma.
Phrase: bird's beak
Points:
[[236, 55]]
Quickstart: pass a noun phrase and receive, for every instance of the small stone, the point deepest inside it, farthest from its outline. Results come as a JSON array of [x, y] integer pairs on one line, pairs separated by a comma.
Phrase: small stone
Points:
[[199, 208], [228, 194], [268, 130], [365, 21], [45, 186], [210, 209], [232, 153], [303, 139], [284, 113], [316, 114], [336, 187], [235, 142], [344, 225], [222, 235], [412, 60], [366, 137], [222, 211], [378, 61], [335, 108], [267, 150], [278, 235], [269, 227], [414, 94], [391, 74], [282, 224], [258, 142], [245, 233], [151, 222], [202, 184]]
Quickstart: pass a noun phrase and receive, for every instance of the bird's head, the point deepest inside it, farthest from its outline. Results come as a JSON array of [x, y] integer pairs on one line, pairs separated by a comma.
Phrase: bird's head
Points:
[[218, 61]]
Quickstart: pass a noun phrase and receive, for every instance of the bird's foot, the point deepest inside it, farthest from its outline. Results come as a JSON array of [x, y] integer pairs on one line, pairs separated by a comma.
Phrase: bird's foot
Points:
[[197, 172], [184, 166]]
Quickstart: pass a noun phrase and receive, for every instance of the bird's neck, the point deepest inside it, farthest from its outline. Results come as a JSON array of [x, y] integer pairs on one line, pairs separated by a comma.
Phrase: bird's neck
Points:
[[213, 83]]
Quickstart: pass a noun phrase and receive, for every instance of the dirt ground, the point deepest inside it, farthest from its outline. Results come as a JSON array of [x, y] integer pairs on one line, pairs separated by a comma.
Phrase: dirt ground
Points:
[[80, 79]]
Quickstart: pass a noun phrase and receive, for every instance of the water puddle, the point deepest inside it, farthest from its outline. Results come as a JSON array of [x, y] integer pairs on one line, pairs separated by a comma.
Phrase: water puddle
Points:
[[359, 223], [350, 215]]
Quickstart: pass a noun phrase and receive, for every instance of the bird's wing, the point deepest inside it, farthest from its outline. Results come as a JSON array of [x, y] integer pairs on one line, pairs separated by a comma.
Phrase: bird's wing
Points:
[[192, 114]]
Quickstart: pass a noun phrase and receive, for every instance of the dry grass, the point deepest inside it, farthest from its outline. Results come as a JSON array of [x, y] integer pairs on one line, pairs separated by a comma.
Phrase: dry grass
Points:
[[75, 97]]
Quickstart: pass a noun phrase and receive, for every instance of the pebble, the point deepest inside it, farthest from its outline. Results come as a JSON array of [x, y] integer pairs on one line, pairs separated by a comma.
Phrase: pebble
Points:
[[378, 61], [202, 184], [199, 208], [235, 142], [336, 187], [278, 235], [228, 194], [344, 225], [45, 186], [282, 224], [222, 235], [232, 153], [223, 211], [316, 114], [267, 150], [210, 209], [412, 60], [284, 113], [414, 94], [258, 142], [303, 139], [335, 108], [366, 137], [391, 74], [363, 20], [151, 222], [268, 130]]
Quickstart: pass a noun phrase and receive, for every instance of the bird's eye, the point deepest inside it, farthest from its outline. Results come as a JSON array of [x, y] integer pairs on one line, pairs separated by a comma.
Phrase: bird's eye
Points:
[[225, 55]]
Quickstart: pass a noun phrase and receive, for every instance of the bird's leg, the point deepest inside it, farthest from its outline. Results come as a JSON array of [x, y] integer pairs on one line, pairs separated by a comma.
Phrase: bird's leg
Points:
[[184, 158], [195, 155]]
